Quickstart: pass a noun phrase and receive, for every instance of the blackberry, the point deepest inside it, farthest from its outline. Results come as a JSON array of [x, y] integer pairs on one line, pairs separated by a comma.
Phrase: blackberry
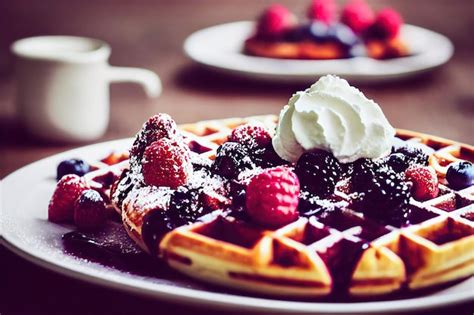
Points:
[[362, 172], [310, 205], [397, 161], [267, 157], [318, 172], [156, 224], [231, 159], [413, 155], [185, 206], [383, 195], [237, 192]]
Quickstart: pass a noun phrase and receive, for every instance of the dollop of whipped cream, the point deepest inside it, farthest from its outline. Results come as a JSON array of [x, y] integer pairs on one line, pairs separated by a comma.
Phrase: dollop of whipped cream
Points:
[[332, 115]]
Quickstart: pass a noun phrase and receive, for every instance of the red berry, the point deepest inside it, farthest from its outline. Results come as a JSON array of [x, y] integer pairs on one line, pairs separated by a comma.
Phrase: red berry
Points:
[[424, 180], [251, 136], [274, 21], [166, 163], [358, 15], [89, 210], [323, 10], [272, 197], [387, 24], [157, 127], [61, 205]]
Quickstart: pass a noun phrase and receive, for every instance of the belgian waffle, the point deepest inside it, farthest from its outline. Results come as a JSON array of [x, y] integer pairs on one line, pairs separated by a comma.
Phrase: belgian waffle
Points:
[[340, 250]]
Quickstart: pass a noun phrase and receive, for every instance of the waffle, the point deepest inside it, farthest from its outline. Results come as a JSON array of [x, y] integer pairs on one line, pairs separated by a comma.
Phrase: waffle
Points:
[[307, 49], [337, 251]]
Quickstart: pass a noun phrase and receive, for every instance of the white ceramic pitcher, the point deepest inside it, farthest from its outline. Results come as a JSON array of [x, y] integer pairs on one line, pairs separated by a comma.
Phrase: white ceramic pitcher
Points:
[[63, 86]]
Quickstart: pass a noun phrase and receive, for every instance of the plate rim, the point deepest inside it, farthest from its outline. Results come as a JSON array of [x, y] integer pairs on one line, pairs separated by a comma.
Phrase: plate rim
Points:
[[281, 76], [200, 297]]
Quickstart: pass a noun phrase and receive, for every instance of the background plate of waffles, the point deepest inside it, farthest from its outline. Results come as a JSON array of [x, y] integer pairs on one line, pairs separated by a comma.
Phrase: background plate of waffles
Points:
[[26, 231], [221, 48]]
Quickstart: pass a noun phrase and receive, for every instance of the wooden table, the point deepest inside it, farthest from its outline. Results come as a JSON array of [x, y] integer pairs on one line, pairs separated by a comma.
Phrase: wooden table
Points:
[[150, 34]]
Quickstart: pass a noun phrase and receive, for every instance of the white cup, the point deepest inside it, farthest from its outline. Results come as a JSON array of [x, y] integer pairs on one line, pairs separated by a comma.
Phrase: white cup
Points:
[[63, 86]]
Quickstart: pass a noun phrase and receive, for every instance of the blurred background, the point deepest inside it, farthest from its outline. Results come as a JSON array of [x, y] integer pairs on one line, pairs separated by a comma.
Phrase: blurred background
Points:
[[150, 34]]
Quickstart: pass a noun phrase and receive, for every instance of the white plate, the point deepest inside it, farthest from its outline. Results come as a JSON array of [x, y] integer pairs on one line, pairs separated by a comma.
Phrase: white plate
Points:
[[220, 48], [26, 231]]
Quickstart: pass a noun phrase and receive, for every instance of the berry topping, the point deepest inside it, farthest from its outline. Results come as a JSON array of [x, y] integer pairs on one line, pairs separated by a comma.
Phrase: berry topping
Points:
[[157, 127], [397, 161], [267, 157], [460, 175], [89, 210], [274, 21], [424, 182], [272, 197], [387, 24], [323, 10], [380, 193], [185, 206], [251, 136], [166, 163], [413, 154], [61, 205], [72, 166], [358, 15], [318, 31], [231, 159], [342, 34], [156, 224], [318, 172]]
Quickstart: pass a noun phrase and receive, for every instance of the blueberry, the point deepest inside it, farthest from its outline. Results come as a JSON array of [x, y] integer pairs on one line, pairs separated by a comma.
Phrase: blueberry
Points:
[[460, 175], [342, 34], [72, 166], [358, 50], [318, 32]]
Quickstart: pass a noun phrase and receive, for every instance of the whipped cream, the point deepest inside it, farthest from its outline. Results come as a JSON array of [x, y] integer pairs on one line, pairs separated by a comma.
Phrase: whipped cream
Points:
[[332, 115]]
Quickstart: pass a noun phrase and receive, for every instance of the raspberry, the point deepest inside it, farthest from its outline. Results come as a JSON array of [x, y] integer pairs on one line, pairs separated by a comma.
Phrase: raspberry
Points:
[[323, 10], [318, 172], [272, 197], [358, 15], [381, 194], [157, 127], [61, 205], [72, 166], [231, 159], [166, 163], [387, 24], [251, 136], [274, 21], [460, 175], [89, 210], [424, 182]]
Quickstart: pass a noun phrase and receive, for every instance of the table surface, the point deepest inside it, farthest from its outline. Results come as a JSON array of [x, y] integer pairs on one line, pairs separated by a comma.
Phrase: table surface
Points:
[[150, 34]]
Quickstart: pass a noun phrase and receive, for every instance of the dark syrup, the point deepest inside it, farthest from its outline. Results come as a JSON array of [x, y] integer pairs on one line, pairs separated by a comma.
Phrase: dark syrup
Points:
[[113, 248]]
